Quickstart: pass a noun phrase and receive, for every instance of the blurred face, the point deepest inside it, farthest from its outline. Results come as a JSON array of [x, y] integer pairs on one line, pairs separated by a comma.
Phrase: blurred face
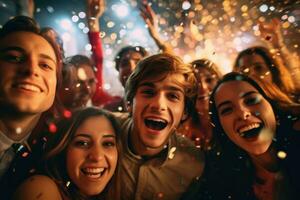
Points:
[[255, 66], [27, 73], [206, 83], [157, 110], [79, 86], [92, 155], [246, 116], [128, 63]]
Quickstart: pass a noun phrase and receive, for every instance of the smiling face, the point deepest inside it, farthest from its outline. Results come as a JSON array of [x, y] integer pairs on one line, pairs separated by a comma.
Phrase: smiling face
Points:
[[255, 66], [246, 116], [127, 64], [27, 73], [157, 109], [206, 82], [92, 155]]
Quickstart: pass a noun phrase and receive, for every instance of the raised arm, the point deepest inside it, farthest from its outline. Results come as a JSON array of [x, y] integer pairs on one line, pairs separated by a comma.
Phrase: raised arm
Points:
[[25, 7], [271, 32], [151, 20], [94, 10]]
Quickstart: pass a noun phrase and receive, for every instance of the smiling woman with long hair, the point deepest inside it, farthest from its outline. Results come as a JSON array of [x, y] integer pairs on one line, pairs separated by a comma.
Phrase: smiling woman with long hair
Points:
[[81, 160]]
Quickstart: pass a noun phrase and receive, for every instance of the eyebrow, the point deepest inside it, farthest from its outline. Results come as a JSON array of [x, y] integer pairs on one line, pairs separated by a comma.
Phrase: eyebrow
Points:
[[168, 87], [242, 96], [107, 135], [16, 48]]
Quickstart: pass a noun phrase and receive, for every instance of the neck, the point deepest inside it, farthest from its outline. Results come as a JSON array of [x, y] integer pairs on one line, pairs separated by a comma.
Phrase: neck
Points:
[[137, 146], [267, 160], [16, 128]]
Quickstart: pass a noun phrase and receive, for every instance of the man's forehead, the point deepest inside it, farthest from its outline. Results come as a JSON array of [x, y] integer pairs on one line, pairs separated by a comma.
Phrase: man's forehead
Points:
[[170, 81]]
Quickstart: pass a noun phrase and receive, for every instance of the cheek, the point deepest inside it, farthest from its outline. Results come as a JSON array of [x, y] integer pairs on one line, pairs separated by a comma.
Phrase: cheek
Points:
[[112, 157]]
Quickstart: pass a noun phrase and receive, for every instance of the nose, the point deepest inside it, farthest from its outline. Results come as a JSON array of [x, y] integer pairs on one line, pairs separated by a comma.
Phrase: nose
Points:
[[30, 66], [159, 102], [243, 113], [85, 88], [203, 87], [95, 154]]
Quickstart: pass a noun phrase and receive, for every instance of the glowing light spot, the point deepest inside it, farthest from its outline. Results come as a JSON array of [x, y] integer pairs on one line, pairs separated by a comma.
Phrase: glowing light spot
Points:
[[160, 195], [186, 5], [66, 24], [66, 37], [25, 154], [286, 25], [272, 8], [85, 30], [120, 108], [107, 86], [67, 114], [291, 19], [81, 25], [121, 9], [110, 24], [172, 153], [88, 47], [50, 9], [82, 15], [81, 74], [75, 18], [281, 154], [18, 130], [187, 58], [263, 8], [52, 128], [244, 8], [284, 17]]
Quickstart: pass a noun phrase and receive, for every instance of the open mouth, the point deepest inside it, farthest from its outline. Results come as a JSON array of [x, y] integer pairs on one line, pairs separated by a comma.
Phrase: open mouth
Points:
[[250, 131], [155, 124], [94, 173]]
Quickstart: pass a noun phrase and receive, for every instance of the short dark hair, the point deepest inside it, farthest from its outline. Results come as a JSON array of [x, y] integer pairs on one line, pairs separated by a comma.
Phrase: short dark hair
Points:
[[139, 49]]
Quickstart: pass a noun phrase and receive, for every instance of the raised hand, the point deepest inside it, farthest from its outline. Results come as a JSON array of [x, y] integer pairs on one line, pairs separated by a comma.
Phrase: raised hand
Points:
[[94, 10], [271, 32]]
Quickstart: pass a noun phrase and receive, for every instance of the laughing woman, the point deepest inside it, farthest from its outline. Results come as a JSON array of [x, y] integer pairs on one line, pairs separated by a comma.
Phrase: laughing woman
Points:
[[80, 161], [257, 144]]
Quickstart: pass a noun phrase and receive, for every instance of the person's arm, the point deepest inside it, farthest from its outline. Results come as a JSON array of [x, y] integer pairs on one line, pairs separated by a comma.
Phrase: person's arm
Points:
[[151, 21], [95, 9], [38, 187], [25, 7], [271, 33]]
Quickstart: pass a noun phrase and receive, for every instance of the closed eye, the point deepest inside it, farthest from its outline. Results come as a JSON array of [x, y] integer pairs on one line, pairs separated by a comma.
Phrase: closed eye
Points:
[[225, 110], [13, 58], [82, 143], [252, 100], [46, 66]]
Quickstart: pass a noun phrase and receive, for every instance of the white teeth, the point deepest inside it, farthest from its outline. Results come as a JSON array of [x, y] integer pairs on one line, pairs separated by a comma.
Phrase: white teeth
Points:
[[249, 127], [157, 120], [93, 170], [29, 87]]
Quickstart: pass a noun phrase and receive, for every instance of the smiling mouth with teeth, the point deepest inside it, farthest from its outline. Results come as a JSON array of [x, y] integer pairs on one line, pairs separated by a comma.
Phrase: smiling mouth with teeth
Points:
[[250, 131], [93, 172], [155, 124], [28, 87]]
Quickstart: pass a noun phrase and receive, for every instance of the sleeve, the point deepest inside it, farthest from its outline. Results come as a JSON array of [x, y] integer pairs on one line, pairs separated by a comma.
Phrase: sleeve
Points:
[[100, 97]]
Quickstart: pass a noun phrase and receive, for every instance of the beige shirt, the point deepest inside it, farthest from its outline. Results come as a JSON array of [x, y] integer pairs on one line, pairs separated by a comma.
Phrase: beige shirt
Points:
[[166, 176]]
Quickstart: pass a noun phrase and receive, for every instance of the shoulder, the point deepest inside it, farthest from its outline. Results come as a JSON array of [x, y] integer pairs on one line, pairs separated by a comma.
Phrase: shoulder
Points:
[[38, 187]]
